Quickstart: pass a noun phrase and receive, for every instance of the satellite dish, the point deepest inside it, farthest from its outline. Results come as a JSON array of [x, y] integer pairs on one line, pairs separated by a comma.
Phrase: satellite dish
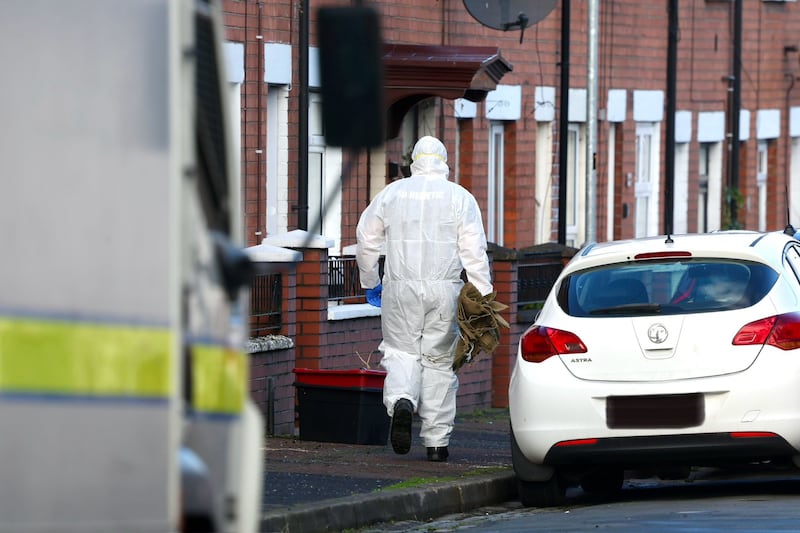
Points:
[[509, 14]]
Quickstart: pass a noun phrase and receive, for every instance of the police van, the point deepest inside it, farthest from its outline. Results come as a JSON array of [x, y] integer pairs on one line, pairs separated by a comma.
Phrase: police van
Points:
[[124, 400]]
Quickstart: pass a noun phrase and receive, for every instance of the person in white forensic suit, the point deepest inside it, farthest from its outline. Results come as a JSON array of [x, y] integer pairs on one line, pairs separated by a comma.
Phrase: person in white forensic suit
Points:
[[430, 230]]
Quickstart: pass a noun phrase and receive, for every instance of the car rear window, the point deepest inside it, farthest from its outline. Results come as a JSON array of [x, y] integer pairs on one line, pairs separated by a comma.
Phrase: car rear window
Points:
[[665, 287]]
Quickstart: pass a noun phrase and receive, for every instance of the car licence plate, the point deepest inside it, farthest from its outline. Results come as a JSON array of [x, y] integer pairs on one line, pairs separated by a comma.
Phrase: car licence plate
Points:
[[655, 411]]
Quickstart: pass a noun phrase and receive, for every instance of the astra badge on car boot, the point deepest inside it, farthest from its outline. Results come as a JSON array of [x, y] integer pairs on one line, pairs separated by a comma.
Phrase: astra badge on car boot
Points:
[[438, 454], [401, 426]]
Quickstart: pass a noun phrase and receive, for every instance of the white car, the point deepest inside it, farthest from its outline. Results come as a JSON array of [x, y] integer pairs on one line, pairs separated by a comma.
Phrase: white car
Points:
[[658, 355]]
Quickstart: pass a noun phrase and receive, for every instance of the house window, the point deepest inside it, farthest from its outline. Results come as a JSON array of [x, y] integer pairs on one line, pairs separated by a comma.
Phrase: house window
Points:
[[611, 180], [702, 192], [544, 182], [496, 165], [316, 169], [761, 184], [794, 183], [574, 233], [680, 222], [316, 166], [709, 187], [277, 159], [324, 183], [647, 185]]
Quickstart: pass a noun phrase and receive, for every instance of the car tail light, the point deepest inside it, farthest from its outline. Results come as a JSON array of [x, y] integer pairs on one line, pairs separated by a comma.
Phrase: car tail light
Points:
[[540, 343], [781, 331]]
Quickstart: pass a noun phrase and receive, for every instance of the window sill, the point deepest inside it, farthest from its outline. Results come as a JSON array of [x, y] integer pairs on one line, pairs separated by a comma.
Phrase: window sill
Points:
[[346, 312]]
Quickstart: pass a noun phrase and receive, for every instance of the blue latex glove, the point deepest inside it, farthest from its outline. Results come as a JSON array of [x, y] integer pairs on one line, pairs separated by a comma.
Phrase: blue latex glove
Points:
[[374, 295]]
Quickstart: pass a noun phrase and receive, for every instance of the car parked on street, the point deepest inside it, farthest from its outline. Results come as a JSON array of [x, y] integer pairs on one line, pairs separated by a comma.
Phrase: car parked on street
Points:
[[658, 355]]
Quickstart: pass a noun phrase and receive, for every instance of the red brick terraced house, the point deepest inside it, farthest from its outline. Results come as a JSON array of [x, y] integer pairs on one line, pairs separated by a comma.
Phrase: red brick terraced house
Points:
[[689, 103]]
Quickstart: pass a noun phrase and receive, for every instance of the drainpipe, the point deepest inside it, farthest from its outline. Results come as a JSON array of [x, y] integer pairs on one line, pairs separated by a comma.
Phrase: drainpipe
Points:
[[302, 129], [736, 104], [261, 223], [563, 124], [790, 77], [591, 124], [669, 162]]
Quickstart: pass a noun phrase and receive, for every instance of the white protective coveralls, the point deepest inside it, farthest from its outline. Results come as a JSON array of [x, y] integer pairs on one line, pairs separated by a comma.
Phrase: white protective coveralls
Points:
[[431, 229]]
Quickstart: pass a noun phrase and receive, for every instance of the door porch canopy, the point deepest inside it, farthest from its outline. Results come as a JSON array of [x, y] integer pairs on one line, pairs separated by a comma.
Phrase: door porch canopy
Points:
[[413, 73]]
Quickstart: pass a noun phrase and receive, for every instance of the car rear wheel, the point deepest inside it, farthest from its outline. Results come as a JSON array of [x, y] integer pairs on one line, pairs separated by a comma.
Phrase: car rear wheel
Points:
[[603, 481], [542, 493], [547, 493]]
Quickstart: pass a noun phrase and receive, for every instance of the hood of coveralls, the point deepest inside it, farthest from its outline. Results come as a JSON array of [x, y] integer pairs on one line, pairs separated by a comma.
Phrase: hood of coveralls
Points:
[[429, 158]]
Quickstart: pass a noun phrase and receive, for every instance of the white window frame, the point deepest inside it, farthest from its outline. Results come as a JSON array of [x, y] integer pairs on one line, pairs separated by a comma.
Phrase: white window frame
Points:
[[572, 199], [680, 199], [575, 230], [611, 182], [324, 184], [277, 159], [703, 174], [496, 183], [794, 183], [647, 185], [762, 164], [715, 185], [235, 103], [544, 182]]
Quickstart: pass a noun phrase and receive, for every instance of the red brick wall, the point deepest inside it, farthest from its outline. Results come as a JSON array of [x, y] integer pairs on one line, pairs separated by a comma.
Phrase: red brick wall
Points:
[[475, 385], [312, 308], [632, 50], [505, 285], [353, 342], [242, 21], [275, 367], [467, 138]]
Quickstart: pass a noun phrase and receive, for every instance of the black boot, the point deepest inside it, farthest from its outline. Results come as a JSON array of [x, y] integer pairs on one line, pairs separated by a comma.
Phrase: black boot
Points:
[[438, 454], [401, 426]]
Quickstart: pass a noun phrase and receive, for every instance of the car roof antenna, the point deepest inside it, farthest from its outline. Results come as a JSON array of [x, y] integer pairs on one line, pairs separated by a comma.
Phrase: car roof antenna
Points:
[[669, 239], [789, 229]]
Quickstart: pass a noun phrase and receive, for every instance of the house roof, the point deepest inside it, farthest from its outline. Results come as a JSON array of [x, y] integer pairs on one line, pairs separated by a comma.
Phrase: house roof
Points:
[[413, 73]]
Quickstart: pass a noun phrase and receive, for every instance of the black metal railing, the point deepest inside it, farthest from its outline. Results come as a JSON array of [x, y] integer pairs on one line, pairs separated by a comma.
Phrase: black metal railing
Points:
[[535, 281], [344, 287], [266, 301], [344, 283], [533, 285]]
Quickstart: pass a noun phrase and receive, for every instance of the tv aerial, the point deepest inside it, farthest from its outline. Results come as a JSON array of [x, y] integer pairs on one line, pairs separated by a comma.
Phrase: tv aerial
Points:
[[508, 15]]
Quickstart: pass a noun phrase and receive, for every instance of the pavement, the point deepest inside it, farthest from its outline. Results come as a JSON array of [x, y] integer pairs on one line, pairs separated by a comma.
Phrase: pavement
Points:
[[315, 486]]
